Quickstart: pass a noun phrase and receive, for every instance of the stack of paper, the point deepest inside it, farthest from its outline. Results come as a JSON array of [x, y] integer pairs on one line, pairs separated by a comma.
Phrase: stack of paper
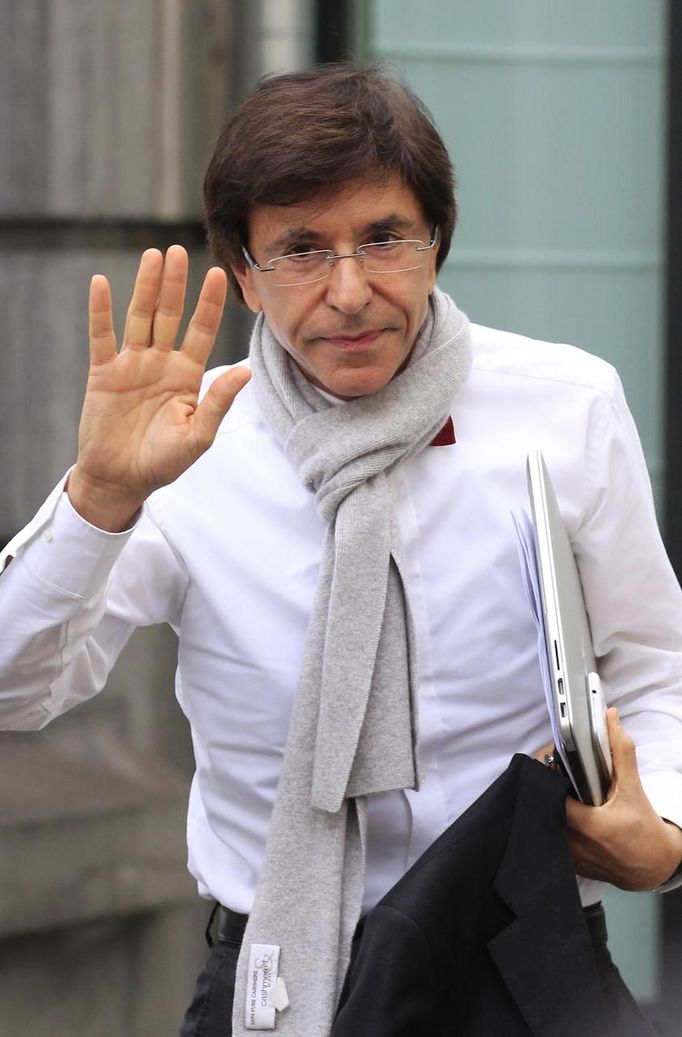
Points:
[[531, 581]]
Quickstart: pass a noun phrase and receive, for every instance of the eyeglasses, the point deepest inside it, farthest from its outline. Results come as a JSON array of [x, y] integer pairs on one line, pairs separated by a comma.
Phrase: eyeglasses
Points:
[[377, 257]]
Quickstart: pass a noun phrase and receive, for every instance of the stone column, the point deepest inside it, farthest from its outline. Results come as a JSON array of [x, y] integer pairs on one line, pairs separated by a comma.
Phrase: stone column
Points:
[[108, 112]]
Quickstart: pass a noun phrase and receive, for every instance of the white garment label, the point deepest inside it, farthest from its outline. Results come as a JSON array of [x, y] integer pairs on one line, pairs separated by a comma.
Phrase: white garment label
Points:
[[279, 997], [259, 1010]]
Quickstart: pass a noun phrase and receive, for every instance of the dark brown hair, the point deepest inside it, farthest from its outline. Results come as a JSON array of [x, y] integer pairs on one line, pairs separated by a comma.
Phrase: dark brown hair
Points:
[[301, 133]]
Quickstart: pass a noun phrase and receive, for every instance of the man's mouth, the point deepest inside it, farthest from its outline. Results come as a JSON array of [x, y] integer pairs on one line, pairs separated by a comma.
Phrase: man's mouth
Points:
[[345, 340]]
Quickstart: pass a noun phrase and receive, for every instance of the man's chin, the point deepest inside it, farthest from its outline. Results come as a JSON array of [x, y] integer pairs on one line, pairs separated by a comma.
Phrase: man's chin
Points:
[[350, 381], [352, 386]]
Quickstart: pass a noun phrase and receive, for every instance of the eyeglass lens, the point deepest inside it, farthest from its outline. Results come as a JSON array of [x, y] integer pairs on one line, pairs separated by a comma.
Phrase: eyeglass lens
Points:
[[376, 257]]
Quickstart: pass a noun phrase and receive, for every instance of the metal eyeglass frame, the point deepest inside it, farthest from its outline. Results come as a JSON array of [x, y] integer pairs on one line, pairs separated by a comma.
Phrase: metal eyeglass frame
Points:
[[332, 257]]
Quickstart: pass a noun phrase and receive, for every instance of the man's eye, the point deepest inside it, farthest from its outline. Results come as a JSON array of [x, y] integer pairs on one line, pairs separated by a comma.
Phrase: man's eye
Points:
[[385, 238], [299, 250]]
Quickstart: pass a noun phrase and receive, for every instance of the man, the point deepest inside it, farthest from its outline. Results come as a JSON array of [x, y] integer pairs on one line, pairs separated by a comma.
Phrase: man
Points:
[[332, 542]]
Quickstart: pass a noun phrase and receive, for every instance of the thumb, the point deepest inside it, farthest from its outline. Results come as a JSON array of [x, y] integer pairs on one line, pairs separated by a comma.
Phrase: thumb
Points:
[[623, 753], [217, 401]]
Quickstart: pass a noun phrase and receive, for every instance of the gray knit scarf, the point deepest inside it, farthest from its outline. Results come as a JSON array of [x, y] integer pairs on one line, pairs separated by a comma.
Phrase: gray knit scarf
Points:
[[353, 725]]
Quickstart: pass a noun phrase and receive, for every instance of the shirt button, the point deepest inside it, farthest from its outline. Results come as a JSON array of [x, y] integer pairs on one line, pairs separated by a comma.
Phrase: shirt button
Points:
[[48, 536]]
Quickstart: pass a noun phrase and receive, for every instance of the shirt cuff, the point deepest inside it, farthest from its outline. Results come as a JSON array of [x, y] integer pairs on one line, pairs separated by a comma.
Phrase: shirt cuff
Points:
[[64, 551], [664, 791]]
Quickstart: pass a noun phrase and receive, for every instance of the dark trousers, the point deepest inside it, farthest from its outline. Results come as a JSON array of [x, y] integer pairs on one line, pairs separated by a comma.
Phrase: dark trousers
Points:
[[210, 1013]]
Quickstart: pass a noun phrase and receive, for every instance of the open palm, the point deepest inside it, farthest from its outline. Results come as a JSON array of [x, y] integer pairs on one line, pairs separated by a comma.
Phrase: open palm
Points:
[[142, 424]]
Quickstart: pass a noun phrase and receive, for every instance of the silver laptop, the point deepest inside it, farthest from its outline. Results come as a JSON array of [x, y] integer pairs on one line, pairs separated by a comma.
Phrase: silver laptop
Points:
[[575, 693]]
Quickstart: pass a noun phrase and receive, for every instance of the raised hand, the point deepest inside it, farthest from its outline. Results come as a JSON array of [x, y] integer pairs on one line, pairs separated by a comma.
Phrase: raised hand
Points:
[[141, 424]]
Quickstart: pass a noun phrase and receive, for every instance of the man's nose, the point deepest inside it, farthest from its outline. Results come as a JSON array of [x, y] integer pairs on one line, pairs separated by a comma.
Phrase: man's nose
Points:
[[348, 287]]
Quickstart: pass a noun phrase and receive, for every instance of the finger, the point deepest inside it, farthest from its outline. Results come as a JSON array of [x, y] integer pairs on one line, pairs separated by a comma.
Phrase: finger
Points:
[[171, 298], [138, 327], [100, 321], [547, 750], [217, 402], [578, 815], [624, 756], [203, 327]]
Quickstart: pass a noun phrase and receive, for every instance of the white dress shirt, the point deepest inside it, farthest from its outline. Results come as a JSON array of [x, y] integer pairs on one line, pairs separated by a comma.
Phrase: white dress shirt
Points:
[[228, 555]]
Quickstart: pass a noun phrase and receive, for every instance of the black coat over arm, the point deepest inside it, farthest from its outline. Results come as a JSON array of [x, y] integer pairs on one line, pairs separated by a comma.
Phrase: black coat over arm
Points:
[[485, 934]]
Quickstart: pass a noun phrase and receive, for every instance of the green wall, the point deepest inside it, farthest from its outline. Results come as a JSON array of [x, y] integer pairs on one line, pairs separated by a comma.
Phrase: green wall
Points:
[[554, 112]]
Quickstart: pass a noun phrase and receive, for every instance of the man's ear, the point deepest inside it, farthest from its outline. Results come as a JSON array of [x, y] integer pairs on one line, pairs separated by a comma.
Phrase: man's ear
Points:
[[246, 282]]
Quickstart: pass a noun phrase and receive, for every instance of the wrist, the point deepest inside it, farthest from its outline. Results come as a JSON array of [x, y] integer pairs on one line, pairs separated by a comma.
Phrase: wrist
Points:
[[104, 507]]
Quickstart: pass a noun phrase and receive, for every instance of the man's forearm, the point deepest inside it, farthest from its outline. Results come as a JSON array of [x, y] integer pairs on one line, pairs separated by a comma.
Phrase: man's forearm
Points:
[[51, 594]]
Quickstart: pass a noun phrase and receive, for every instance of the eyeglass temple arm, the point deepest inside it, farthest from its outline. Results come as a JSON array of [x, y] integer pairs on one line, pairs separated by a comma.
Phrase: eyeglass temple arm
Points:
[[434, 236], [255, 265]]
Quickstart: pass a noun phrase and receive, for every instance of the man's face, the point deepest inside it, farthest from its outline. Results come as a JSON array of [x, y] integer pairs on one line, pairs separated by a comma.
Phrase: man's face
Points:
[[352, 332]]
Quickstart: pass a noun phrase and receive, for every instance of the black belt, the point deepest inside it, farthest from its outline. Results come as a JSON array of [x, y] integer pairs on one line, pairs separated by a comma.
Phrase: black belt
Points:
[[596, 922], [230, 925]]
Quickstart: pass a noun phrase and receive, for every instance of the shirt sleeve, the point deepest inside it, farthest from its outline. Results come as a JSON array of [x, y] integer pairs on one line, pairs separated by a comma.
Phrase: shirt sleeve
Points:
[[70, 596], [633, 600]]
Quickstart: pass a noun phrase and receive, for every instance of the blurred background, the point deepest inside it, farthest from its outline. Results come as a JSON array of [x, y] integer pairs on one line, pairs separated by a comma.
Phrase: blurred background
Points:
[[564, 118]]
